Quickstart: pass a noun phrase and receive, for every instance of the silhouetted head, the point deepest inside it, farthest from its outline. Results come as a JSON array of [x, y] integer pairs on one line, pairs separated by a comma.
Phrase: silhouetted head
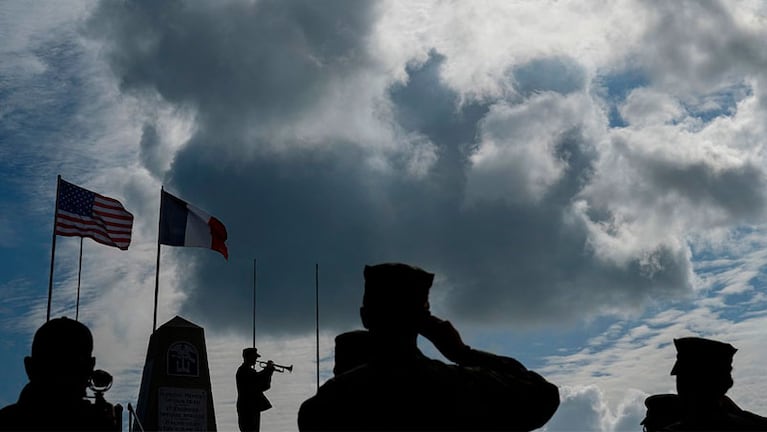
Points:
[[352, 350], [396, 297], [703, 368], [250, 355], [61, 359]]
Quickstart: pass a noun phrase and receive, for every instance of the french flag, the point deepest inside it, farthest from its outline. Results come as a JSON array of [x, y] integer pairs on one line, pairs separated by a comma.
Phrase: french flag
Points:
[[182, 224]]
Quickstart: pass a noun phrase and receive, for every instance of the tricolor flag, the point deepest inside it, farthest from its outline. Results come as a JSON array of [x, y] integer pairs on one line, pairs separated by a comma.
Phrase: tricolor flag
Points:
[[182, 224], [82, 213]]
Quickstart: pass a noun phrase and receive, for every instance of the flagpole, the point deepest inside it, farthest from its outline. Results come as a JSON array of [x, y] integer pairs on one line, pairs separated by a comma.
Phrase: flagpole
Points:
[[254, 302], [317, 318], [53, 249], [79, 272], [157, 273]]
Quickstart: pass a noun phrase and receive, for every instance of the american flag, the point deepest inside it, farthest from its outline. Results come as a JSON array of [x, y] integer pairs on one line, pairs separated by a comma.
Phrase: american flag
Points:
[[82, 213]]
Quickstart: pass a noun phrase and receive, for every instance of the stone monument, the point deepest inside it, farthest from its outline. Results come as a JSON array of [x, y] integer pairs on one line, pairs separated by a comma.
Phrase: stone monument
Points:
[[175, 393]]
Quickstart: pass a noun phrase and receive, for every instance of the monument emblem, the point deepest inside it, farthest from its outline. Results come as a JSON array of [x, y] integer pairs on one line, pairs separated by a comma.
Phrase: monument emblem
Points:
[[183, 360]]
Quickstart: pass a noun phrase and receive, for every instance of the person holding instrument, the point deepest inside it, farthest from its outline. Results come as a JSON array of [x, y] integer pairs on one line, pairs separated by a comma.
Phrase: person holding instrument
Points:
[[251, 385], [398, 388], [60, 368]]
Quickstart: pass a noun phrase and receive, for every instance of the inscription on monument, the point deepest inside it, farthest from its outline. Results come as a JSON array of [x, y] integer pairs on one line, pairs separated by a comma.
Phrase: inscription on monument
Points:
[[182, 409]]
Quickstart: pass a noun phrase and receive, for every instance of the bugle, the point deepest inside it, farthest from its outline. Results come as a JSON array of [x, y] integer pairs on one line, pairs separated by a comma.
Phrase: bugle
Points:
[[277, 368]]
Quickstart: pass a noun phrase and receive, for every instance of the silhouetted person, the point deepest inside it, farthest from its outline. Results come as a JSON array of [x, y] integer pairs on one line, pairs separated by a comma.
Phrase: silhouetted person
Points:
[[703, 372], [401, 389], [251, 385], [59, 370], [352, 349]]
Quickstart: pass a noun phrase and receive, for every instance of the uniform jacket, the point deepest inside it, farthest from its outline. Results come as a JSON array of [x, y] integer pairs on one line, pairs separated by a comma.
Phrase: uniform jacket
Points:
[[251, 385], [37, 410], [426, 394], [665, 413]]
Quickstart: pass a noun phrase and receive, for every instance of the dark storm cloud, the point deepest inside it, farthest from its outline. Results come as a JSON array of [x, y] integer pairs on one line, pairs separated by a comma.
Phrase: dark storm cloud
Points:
[[736, 189], [233, 61], [535, 262], [501, 262], [249, 70], [739, 190], [427, 107], [247, 66]]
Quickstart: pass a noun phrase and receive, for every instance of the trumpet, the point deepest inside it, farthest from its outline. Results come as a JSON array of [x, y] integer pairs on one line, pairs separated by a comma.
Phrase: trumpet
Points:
[[277, 368]]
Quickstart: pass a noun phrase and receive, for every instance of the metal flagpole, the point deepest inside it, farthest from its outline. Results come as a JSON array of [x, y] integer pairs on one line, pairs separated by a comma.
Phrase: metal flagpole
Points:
[[254, 306], [79, 272], [53, 249], [130, 418], [157, 274], [317, 318]]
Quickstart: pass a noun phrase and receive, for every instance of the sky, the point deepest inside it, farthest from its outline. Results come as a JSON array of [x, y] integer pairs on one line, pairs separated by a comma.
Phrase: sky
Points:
[[586, 180]]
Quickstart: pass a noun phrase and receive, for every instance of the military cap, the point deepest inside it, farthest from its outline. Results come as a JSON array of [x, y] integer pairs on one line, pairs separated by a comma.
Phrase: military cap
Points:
[[250, 353], [698, 354], [354, 341], [352, 349], [62, 336], [391, 284]]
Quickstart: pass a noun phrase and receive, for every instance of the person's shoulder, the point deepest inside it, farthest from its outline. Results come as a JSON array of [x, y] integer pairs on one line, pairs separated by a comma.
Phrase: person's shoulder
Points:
[[359, 374], [328, 388], [8, 409], [244, 369], [421, 362], [12, 417], [754, 421], [746, 420], [314, 412], [348, 385]]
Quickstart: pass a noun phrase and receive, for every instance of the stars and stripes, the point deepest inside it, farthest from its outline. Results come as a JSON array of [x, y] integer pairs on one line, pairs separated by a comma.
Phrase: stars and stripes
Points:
[[82, 213]]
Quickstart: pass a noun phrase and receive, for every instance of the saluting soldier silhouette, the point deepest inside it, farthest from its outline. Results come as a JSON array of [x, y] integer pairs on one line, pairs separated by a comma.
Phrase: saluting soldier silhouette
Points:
[[399, 388], [703, 371]]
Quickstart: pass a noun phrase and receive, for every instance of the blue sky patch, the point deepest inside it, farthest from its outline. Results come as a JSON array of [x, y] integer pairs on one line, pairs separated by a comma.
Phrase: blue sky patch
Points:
[[720, 103], [555, 74], [617, 86]]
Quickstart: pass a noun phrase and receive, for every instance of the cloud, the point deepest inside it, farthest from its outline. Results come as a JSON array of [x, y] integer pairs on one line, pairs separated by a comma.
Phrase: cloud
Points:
[[257, 70], [312, 147], [644, 107], [666, 182], [586, 409], [522, 151], [632, 359], [693, 47], [22, 24], [550, 168]]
